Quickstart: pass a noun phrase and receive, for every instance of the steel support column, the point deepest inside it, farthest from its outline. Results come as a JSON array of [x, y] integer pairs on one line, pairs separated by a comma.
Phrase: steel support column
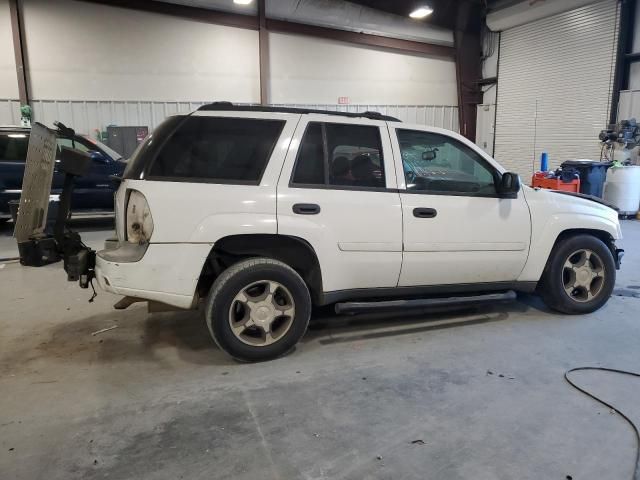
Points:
[[624, 55], [263, 45], [19, 50], [468, 48]]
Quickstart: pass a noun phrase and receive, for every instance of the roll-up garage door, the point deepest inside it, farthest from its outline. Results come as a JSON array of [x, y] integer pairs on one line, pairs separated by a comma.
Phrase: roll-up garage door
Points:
[[554, 87]]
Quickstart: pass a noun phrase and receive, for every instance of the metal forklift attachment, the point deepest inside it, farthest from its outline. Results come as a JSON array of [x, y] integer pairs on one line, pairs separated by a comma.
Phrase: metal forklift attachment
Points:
[[36, 247], [36, 185]]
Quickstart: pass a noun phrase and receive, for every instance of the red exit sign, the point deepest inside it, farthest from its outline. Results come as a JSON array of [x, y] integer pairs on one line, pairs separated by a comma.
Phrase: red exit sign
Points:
[[343, 100]]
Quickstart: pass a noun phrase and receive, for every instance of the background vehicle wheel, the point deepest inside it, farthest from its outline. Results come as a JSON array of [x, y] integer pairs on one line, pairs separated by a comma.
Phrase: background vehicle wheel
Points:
[[258, 309], [580, 275]]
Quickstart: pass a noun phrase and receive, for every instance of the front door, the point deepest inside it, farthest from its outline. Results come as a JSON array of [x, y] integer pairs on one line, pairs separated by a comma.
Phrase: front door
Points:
[[457, 229], [337, 190]]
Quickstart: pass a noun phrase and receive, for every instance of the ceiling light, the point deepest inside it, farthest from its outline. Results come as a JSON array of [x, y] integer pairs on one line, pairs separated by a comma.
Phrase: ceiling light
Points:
[[242, 2], [421, 12]]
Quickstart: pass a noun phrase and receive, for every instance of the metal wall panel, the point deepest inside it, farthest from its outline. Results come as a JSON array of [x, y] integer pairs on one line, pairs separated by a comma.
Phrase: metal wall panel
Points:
[[554, 89], [87, 117]]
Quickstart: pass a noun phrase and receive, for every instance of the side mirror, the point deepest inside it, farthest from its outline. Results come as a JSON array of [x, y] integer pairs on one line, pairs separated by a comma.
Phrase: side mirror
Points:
[[509, 185], [98, 156]]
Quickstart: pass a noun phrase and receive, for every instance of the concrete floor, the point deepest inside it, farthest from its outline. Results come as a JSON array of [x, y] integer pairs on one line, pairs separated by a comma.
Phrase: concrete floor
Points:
[[476, 394]]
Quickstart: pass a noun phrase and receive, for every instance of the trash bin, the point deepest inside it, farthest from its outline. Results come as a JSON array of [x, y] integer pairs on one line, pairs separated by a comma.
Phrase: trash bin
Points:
[[592, 175]]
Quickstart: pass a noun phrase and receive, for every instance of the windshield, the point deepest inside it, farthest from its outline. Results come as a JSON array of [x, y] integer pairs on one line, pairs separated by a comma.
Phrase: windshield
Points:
[[109, 151]]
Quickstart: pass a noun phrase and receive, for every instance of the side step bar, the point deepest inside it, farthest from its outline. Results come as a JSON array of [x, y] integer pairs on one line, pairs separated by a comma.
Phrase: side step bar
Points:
[[392, 305]]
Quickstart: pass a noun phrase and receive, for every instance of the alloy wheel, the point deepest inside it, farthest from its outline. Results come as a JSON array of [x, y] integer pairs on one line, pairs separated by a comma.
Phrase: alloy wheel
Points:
[[583, 275], [261, 313]]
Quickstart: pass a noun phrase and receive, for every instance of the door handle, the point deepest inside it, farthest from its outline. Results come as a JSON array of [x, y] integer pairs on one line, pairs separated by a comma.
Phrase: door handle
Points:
[[425, 212], [306, 209]]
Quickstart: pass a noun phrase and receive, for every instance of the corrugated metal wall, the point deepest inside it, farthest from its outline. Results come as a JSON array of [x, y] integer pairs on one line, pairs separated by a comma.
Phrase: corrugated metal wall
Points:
[[86, 116], [554, 89]]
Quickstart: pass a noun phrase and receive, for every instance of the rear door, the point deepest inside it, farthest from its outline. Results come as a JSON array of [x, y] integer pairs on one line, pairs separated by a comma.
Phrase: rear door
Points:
[[337, 190]]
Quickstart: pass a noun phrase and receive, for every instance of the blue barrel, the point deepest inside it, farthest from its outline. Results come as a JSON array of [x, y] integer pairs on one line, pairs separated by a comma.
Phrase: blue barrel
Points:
[[544, 162], [592, 175]]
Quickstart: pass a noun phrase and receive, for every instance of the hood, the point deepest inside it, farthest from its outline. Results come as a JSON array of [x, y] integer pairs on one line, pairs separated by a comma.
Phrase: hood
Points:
[[592, 198], [570, 211]]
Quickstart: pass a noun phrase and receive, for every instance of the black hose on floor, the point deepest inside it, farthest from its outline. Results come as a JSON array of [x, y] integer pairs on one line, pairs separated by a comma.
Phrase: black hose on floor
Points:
[[636, 472]]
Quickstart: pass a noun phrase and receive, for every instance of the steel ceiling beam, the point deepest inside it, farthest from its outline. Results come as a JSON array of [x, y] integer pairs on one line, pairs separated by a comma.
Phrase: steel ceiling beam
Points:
[[198, 14], [406, 46], [281, 26]]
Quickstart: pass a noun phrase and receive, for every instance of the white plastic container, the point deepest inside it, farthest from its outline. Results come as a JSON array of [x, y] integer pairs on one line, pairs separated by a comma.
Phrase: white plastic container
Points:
[[622, 189]]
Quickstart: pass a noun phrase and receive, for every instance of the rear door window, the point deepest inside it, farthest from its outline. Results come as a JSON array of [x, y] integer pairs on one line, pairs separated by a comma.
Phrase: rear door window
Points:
[[13, 147], [217, 150], [340, 155]]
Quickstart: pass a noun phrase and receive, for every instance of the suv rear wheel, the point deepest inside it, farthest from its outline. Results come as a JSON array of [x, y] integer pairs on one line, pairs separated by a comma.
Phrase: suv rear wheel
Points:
[[580, 275], [258, 309]]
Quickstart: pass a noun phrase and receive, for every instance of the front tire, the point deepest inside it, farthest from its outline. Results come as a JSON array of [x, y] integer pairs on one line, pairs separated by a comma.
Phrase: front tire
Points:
[[579, 276], [258, 309]]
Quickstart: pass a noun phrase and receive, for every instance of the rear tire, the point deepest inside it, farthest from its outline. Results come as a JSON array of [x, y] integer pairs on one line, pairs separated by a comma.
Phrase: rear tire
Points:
[[579, 276], [258, 309]]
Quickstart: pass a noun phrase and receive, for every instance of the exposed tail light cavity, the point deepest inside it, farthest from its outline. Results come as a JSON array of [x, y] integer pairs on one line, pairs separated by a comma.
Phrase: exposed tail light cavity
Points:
[[138, 218]]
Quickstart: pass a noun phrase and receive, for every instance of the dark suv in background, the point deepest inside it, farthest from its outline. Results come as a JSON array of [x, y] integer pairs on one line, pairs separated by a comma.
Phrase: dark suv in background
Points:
[[93, 193]]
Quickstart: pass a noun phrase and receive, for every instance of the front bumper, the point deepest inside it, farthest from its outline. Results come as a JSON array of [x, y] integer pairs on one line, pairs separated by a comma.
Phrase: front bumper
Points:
[[618, 253], [166, 273]]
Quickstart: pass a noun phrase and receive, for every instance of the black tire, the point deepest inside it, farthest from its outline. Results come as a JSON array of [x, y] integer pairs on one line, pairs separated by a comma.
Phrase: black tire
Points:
[[232, 281], [552, 288]]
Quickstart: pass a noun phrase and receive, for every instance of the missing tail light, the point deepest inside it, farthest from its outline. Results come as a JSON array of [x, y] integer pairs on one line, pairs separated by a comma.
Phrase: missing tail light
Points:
[[138, 219]]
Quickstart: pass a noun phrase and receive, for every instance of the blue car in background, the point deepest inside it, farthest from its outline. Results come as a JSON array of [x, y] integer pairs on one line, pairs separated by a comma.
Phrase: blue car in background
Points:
[[93, 193]]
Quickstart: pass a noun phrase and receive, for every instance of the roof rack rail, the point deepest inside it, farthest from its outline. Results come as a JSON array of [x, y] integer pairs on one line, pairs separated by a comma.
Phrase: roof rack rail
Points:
[[230, 107]]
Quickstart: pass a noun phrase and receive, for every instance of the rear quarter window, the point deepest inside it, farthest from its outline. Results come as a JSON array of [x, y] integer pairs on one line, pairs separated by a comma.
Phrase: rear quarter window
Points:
[[217, 150]]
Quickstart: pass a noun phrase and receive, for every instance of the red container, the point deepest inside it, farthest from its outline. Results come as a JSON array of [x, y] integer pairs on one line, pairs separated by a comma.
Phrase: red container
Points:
[[540, 180]]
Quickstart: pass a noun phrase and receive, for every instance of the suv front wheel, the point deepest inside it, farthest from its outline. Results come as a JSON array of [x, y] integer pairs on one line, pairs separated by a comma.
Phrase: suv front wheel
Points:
[[258, 309], [580, 275]]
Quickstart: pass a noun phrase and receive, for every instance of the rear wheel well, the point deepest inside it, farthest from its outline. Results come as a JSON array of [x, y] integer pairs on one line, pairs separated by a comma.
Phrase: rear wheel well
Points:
[[294, 251]]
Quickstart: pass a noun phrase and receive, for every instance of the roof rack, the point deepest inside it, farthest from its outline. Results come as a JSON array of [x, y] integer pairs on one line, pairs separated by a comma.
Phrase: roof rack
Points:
[[228, 106]]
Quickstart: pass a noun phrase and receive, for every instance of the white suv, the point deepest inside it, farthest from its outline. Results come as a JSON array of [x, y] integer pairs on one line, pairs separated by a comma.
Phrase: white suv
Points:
[[266, 212]]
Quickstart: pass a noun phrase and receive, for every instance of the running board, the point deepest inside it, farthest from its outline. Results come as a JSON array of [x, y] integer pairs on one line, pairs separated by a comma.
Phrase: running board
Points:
[[392, 305]]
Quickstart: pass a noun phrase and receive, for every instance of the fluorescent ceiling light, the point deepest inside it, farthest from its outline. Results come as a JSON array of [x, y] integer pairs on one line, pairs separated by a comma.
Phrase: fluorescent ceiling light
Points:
[[242, 2], [421, 12], [17, 135]]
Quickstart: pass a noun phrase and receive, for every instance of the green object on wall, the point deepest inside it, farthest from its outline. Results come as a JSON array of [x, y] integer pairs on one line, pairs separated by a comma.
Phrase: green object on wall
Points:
[[25, 115]]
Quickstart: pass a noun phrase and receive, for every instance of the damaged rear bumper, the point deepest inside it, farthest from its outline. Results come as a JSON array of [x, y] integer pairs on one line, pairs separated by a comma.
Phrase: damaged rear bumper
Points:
[[166, 273]]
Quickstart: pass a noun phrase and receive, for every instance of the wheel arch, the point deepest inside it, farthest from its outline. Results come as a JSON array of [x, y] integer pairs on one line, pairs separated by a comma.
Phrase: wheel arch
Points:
[[603, 235], [294, 251], [541, 252]]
